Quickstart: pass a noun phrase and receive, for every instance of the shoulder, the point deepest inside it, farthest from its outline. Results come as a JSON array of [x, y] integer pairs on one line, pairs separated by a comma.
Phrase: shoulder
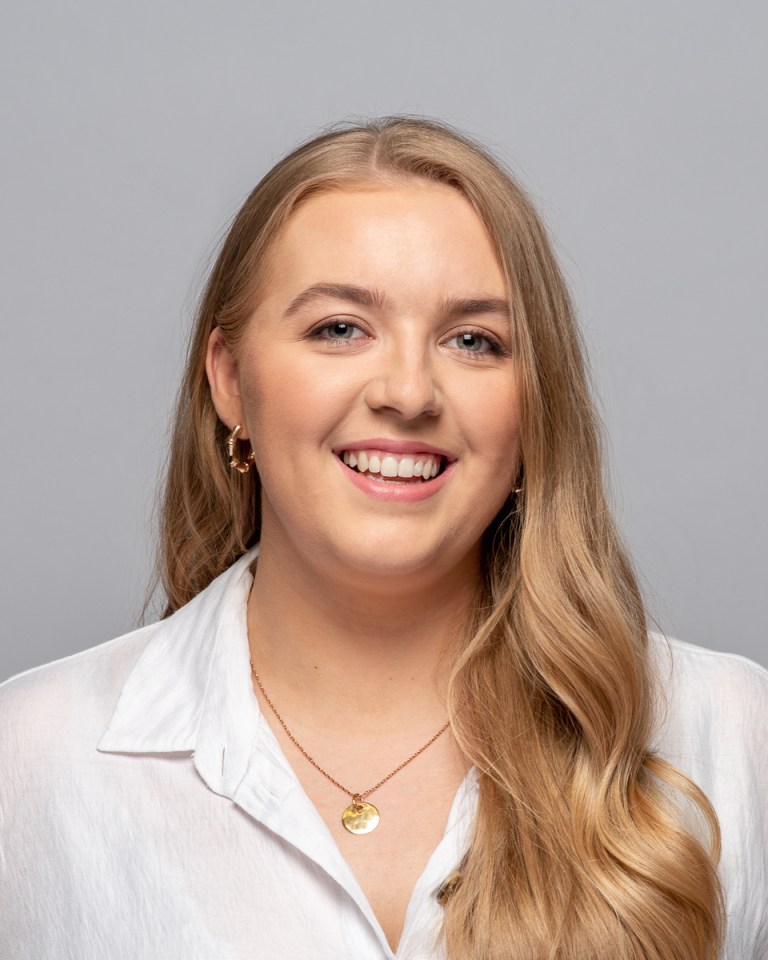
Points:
[[712, 713], [66, 703], [708, 681], [712, 725], [63, 708]]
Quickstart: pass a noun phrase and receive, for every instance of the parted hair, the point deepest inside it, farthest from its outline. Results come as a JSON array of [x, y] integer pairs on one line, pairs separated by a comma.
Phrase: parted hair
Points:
[[586, 845]]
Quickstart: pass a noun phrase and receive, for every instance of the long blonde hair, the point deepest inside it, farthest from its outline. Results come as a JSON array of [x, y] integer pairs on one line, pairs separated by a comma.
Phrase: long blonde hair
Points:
[[580, 848]]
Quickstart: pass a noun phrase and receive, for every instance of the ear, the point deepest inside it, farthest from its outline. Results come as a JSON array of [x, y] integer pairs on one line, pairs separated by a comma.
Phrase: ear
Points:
[[221, 368]]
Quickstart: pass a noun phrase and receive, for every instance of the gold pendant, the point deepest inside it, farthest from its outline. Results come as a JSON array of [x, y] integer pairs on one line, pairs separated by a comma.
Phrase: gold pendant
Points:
[[360, 817]]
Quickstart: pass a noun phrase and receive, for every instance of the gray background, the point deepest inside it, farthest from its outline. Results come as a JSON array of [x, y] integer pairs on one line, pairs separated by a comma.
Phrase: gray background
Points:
[[132, 132]]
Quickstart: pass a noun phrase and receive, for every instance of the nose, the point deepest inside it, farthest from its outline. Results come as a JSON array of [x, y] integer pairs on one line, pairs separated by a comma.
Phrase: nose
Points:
[[405, 385]]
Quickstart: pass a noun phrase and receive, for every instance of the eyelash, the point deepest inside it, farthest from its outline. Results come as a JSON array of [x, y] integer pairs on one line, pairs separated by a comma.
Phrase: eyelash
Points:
[[316, 334], [496, 349]]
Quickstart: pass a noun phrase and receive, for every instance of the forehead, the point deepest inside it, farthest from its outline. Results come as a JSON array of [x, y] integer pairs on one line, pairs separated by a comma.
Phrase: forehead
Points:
[[382, 231]]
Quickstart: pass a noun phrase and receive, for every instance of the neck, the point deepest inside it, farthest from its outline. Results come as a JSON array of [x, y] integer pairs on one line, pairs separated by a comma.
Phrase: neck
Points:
[[332, 652]]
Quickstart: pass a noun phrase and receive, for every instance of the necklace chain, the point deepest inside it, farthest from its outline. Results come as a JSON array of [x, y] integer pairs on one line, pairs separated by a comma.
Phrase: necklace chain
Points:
[[356, 796]]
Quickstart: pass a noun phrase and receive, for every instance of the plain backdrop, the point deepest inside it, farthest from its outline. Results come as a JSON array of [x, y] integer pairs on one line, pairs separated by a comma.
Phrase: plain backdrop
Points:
[[132, 132]]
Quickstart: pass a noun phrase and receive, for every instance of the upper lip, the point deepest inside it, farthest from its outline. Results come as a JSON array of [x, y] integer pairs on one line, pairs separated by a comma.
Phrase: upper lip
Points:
[[394, 446]]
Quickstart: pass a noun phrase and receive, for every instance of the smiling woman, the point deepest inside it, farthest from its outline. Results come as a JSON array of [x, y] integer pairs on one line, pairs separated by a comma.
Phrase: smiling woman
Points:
[[383, 331], [403, 700]]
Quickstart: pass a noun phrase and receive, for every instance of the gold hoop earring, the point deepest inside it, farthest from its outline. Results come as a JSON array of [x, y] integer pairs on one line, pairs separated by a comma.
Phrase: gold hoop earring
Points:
[[242, 466]]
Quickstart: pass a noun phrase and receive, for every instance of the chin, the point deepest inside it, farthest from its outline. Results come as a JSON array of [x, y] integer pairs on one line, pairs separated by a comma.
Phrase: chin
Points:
[[394, 559]]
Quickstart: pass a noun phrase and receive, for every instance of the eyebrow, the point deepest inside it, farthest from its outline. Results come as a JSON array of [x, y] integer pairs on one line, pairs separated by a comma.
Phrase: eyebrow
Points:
[[454, 307], [477, 305], [335, 291]]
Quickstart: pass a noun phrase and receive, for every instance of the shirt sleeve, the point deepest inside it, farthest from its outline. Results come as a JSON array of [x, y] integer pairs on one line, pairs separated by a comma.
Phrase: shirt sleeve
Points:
[[713, 726], [745, 691]]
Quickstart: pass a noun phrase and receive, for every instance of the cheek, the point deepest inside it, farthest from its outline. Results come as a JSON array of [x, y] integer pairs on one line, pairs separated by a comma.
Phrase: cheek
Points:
[[491, 419], [284, 402]]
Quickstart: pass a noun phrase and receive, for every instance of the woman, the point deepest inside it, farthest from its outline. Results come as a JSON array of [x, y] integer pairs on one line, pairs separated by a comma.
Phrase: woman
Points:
[[403, 701]]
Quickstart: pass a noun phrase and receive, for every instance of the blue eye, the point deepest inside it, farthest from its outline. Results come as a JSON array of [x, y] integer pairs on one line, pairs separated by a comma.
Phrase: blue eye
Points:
[[338, 331], [471, 342], [474, 342]]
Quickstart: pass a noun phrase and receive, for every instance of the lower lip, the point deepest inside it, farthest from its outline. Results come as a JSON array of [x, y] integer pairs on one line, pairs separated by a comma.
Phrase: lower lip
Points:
[[399, 492]]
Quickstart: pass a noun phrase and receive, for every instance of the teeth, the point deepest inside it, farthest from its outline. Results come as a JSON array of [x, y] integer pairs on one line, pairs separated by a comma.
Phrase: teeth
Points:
[[389, 467], [392, 467]]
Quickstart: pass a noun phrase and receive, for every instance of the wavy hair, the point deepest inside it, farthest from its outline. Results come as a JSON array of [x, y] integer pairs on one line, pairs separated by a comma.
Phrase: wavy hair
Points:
[[586, 845]]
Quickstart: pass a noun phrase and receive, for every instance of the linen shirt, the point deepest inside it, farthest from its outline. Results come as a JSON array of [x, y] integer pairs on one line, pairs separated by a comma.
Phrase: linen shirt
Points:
[[147, 811]]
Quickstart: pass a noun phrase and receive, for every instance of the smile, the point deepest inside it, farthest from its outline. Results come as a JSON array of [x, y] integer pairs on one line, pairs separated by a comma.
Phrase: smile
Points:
[[399, 472], [390, 467]]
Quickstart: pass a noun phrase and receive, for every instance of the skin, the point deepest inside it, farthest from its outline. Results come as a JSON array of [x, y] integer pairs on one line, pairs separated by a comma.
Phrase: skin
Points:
[[357, 602]]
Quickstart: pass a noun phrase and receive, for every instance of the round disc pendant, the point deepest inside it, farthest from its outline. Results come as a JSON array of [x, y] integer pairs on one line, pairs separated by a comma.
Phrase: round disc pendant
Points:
[[360, 817]]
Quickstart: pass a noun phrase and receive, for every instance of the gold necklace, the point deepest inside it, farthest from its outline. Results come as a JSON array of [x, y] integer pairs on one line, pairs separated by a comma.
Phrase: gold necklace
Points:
[[360, 816]]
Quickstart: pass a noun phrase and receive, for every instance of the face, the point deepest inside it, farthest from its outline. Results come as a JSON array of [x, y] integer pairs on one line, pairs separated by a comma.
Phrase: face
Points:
[[376, 384]]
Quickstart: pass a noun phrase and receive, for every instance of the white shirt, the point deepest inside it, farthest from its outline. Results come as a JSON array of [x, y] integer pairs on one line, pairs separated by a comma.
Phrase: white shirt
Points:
[[147, 811]]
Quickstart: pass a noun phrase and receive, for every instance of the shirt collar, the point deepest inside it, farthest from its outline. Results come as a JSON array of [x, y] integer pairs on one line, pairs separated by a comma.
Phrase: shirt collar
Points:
[[191, 689]]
